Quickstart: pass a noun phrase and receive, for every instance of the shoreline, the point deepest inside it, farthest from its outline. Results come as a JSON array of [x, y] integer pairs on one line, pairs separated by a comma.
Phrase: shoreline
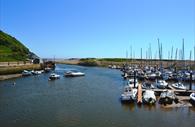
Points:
[[9, 76], [9, 72]]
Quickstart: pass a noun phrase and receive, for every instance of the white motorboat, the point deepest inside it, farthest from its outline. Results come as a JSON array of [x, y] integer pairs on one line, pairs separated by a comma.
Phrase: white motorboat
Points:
[[74, 74], [125, 76], [26, 73], [37, 72], [161, 84], [192, 98], [167, 97], [179, 85], [151, 76], [131, 82], [149, 97], [129, 94], [54, 76]]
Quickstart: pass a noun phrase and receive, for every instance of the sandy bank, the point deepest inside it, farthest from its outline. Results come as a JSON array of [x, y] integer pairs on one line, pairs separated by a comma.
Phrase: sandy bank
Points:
[[10, 76]]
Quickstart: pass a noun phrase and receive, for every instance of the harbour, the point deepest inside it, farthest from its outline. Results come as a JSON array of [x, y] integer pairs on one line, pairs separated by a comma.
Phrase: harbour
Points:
[[90, 100], [97, 63]]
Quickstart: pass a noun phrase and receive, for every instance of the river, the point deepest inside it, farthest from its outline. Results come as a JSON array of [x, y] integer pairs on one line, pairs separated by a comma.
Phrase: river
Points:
[[88, 101]]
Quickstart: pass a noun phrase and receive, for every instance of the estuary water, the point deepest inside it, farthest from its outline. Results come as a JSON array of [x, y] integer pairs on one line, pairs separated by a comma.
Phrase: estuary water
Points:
[[88, 101]]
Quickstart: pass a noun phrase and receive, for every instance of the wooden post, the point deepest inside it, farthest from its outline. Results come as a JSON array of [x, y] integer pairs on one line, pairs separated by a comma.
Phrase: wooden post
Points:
[[191, 80], [134, 78]]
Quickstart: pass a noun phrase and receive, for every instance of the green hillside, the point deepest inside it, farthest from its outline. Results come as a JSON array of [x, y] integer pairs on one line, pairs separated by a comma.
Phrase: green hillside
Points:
[[11, 49]]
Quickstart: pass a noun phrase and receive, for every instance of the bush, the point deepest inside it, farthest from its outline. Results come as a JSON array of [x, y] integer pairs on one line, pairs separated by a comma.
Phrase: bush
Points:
[[88, 62]]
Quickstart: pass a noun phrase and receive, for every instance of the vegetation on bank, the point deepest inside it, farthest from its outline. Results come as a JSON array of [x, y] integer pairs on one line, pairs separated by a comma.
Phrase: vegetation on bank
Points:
[[11, 49], [88, 62], [104, 62], [113, 59]]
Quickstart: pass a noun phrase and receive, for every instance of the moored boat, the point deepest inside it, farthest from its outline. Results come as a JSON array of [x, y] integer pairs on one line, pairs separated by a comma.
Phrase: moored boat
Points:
[[149, 97], [147, 85], [151, 76], [179, 85], [74, 74], [26, 73], [161, 84], [192, 98], [129, 94], [167, 97], [37, 72], [48, 69], [54, 76], [132, 81]]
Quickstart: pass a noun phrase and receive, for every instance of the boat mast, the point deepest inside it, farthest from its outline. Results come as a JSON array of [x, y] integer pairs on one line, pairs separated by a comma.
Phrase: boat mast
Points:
[[126, 56], [172, 55], [194, 55], [141, 57], [176, 56], [131, 54], [160, 54], [146, 57], [183, 54], [190, 58]]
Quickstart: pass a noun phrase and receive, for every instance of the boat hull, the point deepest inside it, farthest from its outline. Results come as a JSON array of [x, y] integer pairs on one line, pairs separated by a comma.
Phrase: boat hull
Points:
[[165, 100], [72, 75]]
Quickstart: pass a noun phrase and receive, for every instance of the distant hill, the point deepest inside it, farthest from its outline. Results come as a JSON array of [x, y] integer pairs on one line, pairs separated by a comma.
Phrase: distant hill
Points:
[[13, 50]]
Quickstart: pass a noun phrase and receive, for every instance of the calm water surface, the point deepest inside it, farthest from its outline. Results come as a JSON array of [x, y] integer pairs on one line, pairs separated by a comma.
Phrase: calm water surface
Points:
[[89, 101]]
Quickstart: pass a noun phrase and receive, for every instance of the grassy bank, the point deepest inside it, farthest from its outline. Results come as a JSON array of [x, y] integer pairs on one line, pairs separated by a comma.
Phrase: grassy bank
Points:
[[11, 49], [18, 69]]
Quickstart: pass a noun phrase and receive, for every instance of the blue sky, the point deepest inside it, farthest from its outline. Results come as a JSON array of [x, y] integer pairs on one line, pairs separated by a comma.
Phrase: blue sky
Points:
[[99, 28]]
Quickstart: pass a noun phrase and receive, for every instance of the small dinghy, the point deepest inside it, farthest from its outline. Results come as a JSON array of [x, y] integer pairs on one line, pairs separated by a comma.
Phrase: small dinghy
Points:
[[129, 94], [149, 97], [167, 97], [179, 85]]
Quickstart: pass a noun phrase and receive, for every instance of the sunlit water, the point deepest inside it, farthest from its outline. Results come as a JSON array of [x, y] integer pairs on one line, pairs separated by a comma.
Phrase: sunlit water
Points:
[[89, 101]]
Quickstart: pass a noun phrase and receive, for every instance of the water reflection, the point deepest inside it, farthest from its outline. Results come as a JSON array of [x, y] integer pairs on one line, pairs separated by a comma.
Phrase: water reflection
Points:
[[129, 106], [134, 106]]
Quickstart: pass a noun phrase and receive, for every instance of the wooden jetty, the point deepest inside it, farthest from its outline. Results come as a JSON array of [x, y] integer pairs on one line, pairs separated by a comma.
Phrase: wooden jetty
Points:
[[139, 94]]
